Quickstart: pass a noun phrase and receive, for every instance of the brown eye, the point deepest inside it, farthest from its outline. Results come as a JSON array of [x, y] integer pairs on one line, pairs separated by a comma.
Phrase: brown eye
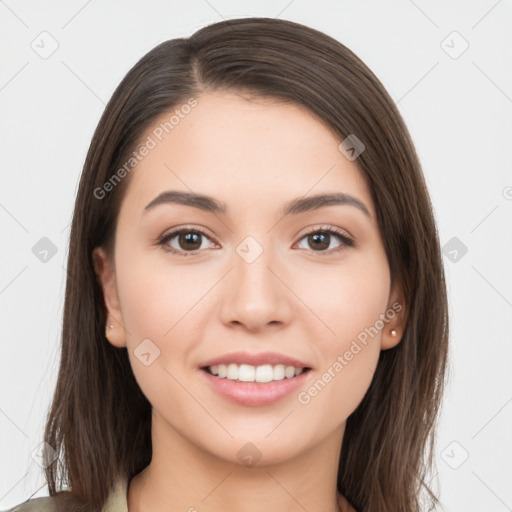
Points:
[[187, 241], [321, 239]]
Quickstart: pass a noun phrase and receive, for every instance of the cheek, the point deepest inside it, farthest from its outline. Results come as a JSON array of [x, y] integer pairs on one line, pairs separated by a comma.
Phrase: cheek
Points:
[[347, 341], [338, 388], [154, 309], [161, 302], [154, 294], [348, 297]]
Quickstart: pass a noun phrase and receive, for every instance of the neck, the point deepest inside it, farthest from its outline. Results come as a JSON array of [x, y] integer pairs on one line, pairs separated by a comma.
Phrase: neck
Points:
[[183, 477]]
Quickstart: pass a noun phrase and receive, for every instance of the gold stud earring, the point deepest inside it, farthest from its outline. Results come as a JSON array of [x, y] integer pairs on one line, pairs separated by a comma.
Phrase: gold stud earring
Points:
[[393, 333]]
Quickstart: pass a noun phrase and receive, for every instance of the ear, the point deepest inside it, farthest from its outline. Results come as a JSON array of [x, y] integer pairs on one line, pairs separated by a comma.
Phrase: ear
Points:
[[396, 319], [105, 272]]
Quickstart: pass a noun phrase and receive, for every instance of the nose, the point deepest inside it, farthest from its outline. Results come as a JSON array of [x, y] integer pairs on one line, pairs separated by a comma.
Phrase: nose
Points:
[[256, 294]]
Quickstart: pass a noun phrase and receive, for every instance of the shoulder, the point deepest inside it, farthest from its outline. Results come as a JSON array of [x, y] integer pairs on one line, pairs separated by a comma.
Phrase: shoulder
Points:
[[117, 501], [41, 504]]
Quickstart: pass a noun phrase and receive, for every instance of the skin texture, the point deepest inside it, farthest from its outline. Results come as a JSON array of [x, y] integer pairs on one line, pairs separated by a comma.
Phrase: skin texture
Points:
[[295, 300]]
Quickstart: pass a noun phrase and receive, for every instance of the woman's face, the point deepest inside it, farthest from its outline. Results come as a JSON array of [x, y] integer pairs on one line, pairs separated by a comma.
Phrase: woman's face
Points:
[[257, 281]]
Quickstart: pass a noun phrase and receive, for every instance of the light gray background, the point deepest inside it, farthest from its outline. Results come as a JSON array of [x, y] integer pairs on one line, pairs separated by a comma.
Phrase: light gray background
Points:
[[458, 110]]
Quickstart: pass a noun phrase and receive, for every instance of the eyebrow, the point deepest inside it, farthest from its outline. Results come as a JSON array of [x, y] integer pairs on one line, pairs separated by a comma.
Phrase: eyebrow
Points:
[[295, 206]]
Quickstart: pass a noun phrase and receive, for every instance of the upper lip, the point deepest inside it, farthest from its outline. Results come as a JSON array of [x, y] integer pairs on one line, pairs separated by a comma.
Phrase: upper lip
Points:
[[262, 358]]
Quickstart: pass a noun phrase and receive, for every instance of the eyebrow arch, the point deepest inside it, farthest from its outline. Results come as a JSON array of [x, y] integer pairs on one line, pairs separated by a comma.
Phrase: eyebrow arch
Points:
[[299, 205]]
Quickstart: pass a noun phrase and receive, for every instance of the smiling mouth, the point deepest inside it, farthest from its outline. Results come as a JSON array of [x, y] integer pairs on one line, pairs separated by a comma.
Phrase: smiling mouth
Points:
[[245, 373]]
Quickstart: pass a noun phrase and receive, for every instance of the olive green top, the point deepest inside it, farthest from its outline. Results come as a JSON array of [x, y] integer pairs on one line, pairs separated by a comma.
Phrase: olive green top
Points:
[[117, 501]]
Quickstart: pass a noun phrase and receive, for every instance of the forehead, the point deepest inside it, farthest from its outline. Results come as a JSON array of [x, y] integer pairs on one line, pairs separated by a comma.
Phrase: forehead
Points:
[[245, 152]]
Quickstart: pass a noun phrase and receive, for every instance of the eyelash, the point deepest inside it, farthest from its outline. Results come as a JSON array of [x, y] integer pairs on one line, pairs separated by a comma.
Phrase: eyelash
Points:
[[346, 241]]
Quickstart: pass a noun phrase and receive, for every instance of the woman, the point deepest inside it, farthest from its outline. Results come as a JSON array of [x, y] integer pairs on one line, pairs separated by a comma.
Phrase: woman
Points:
[[255, 313]]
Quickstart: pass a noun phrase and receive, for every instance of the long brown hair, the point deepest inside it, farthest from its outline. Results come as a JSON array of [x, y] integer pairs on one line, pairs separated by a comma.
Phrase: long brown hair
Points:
[[100, 421]]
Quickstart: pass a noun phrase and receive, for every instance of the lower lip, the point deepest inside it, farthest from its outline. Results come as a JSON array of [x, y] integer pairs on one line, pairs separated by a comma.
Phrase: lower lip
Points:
[[255, 393]]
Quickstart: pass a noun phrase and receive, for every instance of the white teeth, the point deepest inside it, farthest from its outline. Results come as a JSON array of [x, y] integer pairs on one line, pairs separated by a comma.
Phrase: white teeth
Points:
[[289, 372], [249, 373], [278, 372], [232, 372]]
